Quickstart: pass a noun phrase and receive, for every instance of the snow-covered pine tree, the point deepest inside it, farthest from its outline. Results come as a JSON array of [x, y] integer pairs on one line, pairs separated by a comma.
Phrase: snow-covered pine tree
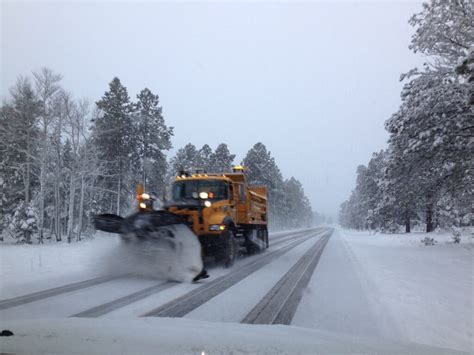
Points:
[[114, 136], [204, 161], [397, 202], [374, 178], [344, 217], [221, 160], [466, 70], [444, 31], [429, 133], [362, 210], [297, 208], [153, 138], [263, 170], [18, 152], [186, 158], [24, 222], [429, 159], [357, 206]]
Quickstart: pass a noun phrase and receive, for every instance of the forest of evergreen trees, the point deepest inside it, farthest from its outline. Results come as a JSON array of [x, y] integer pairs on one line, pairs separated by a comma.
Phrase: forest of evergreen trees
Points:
[[63, 160], [424, 176]]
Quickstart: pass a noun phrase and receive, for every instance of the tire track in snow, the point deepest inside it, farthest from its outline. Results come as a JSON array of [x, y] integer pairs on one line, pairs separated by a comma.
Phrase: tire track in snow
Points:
[[192, 300], [36, 296], [294, 234], [108, 307], [279, 305]]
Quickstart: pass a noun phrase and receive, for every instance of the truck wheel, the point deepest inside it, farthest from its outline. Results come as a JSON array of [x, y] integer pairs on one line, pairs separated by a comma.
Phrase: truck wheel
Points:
[[229, 250]]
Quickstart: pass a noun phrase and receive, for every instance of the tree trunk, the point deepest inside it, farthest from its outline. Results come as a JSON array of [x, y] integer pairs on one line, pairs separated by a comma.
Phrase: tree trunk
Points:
[[28, 171], [70, 219], [26, 233], [119, 193], [57, 194], [41, 202], [429, 218], [57, 214], [81, 208], [407, 221]]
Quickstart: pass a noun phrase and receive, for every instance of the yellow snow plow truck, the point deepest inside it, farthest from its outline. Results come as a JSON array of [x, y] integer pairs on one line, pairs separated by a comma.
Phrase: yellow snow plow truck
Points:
[[221, 210]]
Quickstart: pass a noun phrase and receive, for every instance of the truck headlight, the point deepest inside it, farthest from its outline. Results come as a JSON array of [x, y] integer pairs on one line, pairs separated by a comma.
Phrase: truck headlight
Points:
[[217, 227], [207, 203], [203, 195]]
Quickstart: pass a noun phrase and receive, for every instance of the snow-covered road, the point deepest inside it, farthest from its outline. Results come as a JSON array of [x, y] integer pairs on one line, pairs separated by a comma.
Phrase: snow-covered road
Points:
[[367, 289], [101, 296]]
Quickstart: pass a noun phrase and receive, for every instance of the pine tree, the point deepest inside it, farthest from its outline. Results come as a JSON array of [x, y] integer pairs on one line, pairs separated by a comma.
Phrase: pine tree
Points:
[[444, 30], [466, 70], [186, 158], [18, 152], [297, 208], [428, 164], [24, 223], [221, 160], [429, 135], [114, 136], [263, 170], [153, 138], [204, 161]]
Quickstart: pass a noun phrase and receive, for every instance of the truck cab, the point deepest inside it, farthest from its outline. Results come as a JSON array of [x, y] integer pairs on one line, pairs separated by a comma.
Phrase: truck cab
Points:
[[226, 214]]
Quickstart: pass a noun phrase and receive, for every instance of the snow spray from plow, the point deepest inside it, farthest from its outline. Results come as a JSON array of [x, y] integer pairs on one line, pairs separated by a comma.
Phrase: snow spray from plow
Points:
[[154, 244]]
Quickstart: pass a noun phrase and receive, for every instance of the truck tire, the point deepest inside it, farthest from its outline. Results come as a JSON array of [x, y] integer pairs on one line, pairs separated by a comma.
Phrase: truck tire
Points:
[[265, 238], [251, 247], [229, 248]]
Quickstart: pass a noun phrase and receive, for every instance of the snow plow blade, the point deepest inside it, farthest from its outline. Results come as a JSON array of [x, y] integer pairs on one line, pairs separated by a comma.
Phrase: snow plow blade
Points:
[[110, 223], [136, 223], [155, 243]]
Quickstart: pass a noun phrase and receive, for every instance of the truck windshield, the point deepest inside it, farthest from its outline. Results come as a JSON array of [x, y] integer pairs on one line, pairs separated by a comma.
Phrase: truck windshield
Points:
[[187, 190]]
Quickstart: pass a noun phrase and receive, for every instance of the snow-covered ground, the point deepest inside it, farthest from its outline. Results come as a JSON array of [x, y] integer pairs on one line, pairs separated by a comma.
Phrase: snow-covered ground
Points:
[[369, 294], [393, 286], [31, 268]]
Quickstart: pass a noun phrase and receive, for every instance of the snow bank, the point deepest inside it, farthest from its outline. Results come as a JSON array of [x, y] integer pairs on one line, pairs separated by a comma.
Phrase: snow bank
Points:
[[427, 291], [31, 268]]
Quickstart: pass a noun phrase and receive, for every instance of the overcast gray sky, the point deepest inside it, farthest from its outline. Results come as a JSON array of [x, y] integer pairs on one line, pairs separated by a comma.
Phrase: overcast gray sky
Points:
[[313, 81]]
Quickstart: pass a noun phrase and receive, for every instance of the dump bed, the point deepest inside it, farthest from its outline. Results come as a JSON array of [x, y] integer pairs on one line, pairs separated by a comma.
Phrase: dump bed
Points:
[[256, 205]]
